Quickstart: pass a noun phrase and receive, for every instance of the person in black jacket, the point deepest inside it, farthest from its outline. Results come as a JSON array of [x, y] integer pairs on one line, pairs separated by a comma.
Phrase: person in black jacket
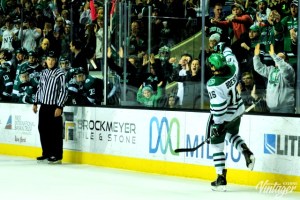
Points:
[[79, 59], [135, 73]]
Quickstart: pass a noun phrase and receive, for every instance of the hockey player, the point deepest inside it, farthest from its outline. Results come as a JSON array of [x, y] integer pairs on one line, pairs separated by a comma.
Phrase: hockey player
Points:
[[64, 64], [27, 86], [84, 89], [6, 83], [6, 57], [21, 59], [33, 67], [226, 106]]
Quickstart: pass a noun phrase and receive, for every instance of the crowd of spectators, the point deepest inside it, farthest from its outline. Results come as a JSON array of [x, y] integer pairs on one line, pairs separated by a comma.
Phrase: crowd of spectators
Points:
[[74, 31]]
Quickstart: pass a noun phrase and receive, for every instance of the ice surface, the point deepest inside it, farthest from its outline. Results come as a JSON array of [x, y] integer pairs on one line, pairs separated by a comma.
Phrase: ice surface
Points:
[[25, 179]]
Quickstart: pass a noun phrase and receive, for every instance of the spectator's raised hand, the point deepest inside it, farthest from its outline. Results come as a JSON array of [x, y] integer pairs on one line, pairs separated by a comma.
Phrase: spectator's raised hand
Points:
[[86, 6], [152, 58], [293, 35], [258, 18], [271, 52], [274, 16], [257, 50], [182, 60], [141, 54], [214, 21], [172, 60], [253, 93], [245, 46], [109, 53], [160, 84], [145, 60], [121, 52], [239, 88]]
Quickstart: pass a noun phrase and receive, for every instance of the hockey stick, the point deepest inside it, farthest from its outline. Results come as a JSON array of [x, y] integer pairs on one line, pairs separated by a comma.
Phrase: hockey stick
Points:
[[208, 138], [252, 106], [192, 149]]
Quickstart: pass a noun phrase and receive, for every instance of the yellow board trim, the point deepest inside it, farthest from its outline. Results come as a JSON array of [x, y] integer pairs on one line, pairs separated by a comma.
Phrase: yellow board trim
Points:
[[242, 177]]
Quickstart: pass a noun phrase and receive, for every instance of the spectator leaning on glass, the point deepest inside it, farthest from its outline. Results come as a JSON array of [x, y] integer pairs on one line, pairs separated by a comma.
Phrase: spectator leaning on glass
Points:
[[52, 95], [280, 94]]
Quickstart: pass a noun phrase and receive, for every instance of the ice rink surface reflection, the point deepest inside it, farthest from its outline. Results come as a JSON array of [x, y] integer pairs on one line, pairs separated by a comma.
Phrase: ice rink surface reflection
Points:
[[25, 179]]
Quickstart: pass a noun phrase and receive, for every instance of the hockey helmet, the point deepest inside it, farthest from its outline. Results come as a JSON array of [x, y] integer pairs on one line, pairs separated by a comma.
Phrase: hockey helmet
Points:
[[6, 66], [32, 53], [63, 60], [79, 75], [24, 74], [217, 60], [79, 70], [22, 51], [7, 55]]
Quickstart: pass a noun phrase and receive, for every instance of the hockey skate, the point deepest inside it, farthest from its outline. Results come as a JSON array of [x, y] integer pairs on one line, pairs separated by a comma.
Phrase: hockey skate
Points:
[[42, 159], [220, 183], [54, 160], [249, 157]]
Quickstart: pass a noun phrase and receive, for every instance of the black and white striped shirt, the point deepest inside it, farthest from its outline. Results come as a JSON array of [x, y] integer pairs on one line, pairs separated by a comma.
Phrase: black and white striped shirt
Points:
[[52, 88]]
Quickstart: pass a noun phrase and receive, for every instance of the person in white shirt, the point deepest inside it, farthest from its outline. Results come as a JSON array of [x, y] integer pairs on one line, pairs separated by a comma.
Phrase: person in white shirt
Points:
[[8, 35], [29, 36]]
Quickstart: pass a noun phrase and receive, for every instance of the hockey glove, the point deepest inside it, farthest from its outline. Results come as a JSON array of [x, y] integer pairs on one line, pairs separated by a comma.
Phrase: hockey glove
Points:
[[218, 129]]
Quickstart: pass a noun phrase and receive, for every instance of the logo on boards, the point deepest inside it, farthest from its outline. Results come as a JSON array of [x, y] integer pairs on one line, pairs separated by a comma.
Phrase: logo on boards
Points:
[[288, 145]]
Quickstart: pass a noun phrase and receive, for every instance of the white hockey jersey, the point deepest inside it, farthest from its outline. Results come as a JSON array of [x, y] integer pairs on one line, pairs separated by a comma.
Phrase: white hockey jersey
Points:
[[225, 101]]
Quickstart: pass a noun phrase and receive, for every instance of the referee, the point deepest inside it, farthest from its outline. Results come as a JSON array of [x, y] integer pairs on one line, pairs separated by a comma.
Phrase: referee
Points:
[[52, 95]]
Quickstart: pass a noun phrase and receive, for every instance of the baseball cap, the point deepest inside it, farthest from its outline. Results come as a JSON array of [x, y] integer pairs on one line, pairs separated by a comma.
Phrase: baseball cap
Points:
[[254, 28], [262, 1], [295, 2], [7, 55], [238, 6], [6, 65], [215, 36], [147, 88]]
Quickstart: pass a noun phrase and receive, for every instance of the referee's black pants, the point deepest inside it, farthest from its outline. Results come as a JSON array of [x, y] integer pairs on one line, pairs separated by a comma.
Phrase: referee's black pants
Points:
[[51, 132]]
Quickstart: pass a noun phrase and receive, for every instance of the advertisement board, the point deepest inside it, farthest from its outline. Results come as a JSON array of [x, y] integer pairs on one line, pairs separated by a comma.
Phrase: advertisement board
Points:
[[154, 135]]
